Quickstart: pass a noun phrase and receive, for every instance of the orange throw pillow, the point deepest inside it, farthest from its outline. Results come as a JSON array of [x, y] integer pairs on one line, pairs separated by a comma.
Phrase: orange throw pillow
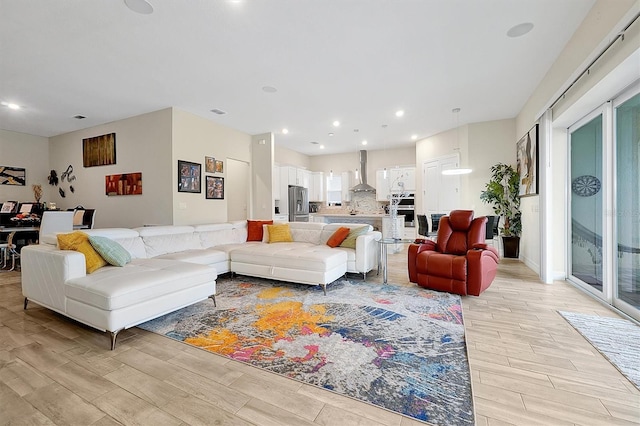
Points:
[[254, 229], [338, 237]]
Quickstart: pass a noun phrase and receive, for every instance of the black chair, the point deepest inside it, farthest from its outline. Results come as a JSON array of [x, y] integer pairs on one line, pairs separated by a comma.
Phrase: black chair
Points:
[[423, 225], [435, 221], [490, 228]]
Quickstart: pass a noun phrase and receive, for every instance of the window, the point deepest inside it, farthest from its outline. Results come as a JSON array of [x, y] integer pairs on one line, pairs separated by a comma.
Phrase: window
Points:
[[334, 190]]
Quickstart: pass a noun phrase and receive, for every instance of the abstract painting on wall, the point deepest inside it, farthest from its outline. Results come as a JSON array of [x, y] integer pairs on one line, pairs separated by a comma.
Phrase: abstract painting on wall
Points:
[[527, 162], [99, 150], [13, 176], [124, 184]]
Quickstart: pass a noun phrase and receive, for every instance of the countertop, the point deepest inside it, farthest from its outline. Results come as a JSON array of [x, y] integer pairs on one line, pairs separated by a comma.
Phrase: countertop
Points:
[[364, 216]]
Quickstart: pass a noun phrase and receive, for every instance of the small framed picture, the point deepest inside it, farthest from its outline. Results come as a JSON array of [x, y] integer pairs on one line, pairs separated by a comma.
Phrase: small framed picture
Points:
[[209, 164], [215, 188], [189, 177], [219, 166]]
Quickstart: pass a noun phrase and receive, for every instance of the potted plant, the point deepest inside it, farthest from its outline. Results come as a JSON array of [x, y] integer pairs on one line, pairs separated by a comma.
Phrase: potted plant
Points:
[[502, 192]]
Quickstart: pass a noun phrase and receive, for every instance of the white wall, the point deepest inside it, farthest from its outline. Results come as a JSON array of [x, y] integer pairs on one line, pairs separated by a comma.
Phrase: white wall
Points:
[[30, 153], [592, 34], [376, 160], [193, 138], [143, 144], [481, 146], [262, 152], [284, 156]]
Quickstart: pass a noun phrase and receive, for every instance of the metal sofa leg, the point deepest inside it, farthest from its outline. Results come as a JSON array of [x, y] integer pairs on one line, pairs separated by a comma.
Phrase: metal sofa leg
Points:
[[324, 288], [213, 297], [114, 335], [25, 303]]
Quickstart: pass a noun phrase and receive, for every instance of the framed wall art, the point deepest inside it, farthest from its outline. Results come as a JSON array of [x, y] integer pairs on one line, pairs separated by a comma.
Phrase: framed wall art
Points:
[[219, 166], [209, 164], [99, 150], [189, 177], [123, 184], [215, 188], [13, 176], [527, 163]]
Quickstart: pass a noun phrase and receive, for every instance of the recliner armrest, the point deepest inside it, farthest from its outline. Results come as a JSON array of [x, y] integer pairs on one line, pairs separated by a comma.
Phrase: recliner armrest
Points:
[[412, 254]]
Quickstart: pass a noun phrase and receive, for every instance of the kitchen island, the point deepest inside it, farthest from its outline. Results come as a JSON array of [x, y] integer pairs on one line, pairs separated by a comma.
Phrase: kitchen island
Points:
[[375, 220]]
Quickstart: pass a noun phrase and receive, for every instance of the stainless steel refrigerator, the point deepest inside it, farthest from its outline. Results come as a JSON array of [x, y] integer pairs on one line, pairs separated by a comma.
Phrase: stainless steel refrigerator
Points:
[[298, 204]]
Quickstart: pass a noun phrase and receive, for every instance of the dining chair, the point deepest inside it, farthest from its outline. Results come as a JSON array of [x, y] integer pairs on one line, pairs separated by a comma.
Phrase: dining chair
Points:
[[8, 250], [423, 225], [89, 218], [55, 222]]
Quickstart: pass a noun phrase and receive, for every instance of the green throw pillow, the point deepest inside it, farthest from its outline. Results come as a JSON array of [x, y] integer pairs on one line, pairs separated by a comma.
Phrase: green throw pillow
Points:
[[110, 251], [350, 241]]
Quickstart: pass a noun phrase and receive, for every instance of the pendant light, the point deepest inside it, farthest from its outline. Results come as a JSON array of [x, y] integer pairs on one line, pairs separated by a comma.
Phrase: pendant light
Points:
[[457, 170]]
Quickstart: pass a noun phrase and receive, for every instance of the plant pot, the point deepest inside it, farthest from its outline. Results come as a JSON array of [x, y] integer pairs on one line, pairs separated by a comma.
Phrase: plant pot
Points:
[[511, 247]]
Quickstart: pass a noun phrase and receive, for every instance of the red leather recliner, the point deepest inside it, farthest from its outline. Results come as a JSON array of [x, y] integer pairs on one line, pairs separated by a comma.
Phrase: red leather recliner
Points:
[[459, 261]]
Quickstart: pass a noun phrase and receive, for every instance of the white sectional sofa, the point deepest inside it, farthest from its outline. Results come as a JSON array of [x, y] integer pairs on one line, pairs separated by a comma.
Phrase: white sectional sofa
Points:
[[175, 266]]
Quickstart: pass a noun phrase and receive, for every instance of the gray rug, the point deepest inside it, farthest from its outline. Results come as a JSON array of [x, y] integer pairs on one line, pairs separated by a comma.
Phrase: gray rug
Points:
[[616, 339]]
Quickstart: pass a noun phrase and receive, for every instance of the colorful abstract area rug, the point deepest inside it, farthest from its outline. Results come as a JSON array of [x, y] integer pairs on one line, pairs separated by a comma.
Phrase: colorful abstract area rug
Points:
[[616, 339], [400, 348]]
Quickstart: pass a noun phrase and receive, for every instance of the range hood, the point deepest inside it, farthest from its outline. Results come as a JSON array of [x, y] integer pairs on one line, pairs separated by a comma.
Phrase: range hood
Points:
[[363, 186]]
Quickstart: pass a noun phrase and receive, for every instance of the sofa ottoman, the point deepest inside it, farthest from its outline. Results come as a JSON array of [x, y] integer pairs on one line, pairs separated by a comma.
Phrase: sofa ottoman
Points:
[[298, 262]]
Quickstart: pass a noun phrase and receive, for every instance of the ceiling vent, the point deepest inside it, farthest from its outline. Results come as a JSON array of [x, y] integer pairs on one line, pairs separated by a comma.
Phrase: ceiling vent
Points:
[[79, 117], [218, 111]]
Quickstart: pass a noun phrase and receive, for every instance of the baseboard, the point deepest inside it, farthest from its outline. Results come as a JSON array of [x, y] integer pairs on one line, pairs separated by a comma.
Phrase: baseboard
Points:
[[532, 265]]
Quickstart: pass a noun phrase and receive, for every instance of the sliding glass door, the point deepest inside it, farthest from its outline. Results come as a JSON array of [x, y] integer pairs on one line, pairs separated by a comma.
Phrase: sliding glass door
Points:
[[604, 215], [627, 137]]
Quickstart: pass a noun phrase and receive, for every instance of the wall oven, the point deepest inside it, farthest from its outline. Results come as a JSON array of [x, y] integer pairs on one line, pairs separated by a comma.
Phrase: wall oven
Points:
[[406, 207]]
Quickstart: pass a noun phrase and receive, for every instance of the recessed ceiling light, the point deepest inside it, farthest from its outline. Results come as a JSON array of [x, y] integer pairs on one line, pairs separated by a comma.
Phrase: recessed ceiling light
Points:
[[285, 131], [384, 126], [336, 123], [139, 6], [356, 130], [414, 137], [364, 142], [321, 146], [520, 29], [269, 89], [399, 113], [330, 134], [11, 105]]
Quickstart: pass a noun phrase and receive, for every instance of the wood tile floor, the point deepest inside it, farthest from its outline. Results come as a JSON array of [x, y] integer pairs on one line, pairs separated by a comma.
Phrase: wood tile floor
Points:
[[528, 367]]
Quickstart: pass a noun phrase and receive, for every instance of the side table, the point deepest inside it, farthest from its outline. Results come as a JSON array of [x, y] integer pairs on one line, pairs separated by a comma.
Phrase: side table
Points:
[[382, 260]]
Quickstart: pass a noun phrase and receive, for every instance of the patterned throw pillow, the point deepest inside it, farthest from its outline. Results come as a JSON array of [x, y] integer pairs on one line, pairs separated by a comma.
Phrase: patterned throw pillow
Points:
[[338, 237], [350, 241], [79, 241], [279, 233], [254, 229], [110, 250]]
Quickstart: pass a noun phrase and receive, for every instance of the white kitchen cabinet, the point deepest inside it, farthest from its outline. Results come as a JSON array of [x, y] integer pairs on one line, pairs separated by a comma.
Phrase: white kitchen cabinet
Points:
[[388, 231], [294, 176], [316, 186], [410, 233], [402, 178], [382, 185]]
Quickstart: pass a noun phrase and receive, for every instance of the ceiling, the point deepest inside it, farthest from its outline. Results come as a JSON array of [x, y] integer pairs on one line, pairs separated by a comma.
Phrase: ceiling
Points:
[[356, 61]]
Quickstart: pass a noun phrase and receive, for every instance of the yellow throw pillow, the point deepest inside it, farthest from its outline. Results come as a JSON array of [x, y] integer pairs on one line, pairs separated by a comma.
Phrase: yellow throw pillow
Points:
[[79, 241], [279, 233]]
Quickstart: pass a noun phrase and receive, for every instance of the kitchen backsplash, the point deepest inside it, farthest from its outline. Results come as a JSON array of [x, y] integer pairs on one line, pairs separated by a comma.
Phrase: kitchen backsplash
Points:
[[361, 202]]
